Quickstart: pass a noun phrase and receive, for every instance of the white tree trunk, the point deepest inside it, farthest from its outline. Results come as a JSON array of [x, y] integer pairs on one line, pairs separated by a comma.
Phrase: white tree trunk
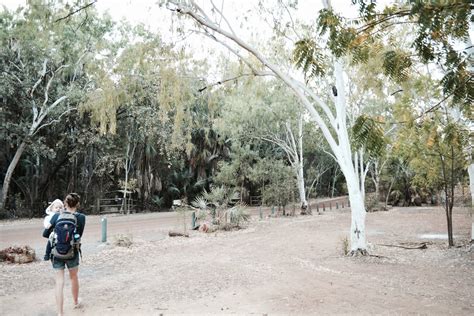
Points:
[[470, 54], [301, 186], [124, 202], [36, 124], [358, 214], [350, 168], [471, 187], [293, 147], [335, 131], [9, 174]]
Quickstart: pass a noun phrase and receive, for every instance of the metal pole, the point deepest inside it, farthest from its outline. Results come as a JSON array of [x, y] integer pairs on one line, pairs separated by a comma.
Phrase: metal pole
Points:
[[103, 222]]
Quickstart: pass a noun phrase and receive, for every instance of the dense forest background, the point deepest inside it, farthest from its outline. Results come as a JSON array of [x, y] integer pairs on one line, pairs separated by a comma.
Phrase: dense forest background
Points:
[[110, 110]]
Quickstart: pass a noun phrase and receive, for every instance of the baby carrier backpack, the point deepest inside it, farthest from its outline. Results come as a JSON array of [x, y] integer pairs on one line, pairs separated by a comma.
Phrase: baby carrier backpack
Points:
[[64, 243]]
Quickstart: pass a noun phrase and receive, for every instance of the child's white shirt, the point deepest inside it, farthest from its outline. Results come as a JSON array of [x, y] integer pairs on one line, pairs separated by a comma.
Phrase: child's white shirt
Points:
[[47, 220]]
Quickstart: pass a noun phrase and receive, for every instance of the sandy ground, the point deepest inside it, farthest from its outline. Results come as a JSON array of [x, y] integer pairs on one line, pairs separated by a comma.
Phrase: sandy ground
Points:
[[288, 265]]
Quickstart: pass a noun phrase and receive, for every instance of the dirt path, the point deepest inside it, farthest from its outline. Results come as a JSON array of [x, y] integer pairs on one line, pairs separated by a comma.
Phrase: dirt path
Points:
[[277, 265], [143, 225]]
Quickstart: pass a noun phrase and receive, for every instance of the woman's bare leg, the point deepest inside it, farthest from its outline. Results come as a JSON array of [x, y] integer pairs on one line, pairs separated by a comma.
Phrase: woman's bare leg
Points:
[[74, 284], [59, 291]]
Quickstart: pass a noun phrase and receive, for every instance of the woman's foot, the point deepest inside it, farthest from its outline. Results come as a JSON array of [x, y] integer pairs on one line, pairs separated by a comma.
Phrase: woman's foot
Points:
[[78, 305]]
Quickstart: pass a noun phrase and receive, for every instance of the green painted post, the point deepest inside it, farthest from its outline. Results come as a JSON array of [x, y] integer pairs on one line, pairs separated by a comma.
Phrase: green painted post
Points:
[[273, 210], [324, 207], [317, 208], [342, 204], [103, 221], [260, 212], [193, 220], [337, 206]]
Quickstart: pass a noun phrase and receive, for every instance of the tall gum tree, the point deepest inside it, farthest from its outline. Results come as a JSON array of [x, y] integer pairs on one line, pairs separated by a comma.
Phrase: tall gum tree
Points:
[[441, 36], [333, 123], [265, 111], [42, 61]]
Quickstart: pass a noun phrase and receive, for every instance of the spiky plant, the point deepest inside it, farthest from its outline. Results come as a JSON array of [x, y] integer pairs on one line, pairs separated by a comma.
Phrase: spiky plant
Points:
[[216, 204]]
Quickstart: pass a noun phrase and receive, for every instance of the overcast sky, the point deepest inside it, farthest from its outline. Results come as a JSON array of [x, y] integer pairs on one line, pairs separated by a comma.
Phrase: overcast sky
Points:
[[159, 19], [149, 13]]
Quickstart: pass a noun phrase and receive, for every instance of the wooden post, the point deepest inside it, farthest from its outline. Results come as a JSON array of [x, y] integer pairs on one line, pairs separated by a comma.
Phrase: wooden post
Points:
[[193, 220]]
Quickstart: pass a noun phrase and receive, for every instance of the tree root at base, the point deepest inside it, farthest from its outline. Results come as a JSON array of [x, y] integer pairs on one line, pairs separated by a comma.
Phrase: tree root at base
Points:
[[358, 253]]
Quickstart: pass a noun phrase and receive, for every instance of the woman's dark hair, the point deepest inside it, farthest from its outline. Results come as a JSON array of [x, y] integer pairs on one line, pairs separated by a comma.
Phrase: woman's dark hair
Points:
[[72, 200]]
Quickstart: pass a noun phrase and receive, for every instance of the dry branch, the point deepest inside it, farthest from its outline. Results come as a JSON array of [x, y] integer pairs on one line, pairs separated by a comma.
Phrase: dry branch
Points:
[[177, 234], [420, 246]]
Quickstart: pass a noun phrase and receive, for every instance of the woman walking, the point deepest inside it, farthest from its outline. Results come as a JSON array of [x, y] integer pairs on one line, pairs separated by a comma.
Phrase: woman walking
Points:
[[68, 227]]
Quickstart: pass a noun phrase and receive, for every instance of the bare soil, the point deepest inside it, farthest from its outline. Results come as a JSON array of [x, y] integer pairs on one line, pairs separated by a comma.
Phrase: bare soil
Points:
[[286, 265]]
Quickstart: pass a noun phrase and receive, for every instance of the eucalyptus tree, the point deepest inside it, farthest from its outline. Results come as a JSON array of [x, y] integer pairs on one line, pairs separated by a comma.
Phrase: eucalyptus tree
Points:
[[43, 62], [328, 109], [439, 38], [146, 92], [437, 157], [267, 111]]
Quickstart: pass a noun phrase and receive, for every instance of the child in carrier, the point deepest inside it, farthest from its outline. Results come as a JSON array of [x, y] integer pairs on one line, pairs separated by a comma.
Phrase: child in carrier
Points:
[[55, 207]]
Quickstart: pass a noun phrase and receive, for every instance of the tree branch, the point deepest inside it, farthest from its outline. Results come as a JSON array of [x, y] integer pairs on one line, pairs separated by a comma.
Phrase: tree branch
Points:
[[222, 16], [42, 74], [233, 78], [75, 11], [286, 78], [55, 120]]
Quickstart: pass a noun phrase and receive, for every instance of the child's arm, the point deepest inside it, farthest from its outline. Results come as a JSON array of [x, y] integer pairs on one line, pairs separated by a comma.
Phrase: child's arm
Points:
[[47, 232], [49, 228]]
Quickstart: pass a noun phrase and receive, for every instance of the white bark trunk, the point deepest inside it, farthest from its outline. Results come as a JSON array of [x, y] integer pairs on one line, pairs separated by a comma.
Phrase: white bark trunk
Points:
[[470, 53], [124, 202], [336, 125], [471, 187], [358, 213], [350, 170], [301, 186], [9, 174], [293, 147], [37, 120]]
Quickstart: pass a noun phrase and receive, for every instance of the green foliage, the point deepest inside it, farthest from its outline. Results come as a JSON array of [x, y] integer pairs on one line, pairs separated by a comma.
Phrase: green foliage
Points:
[[396, 65], [277, 181], [42, 62], [307, 56], [436, 25], [367, 133], [340, 37], [216, 204]]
